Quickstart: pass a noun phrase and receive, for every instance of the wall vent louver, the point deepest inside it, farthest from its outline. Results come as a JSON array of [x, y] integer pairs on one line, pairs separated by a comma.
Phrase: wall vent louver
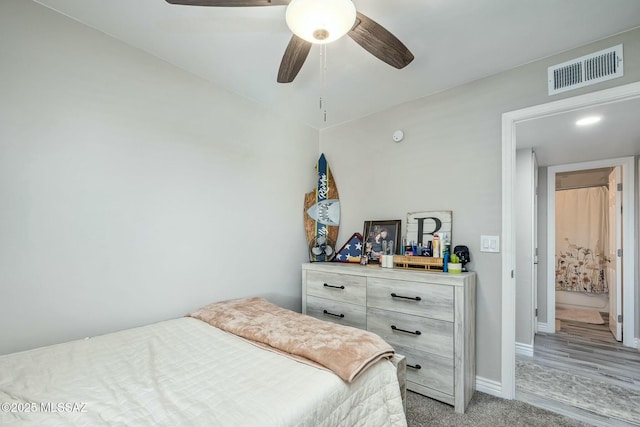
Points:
[[587, 70]]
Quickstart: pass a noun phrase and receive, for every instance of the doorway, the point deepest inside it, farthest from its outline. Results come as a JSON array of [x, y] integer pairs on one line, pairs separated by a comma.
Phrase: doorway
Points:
[[586, 245], [619, 276], [568, 353], [620, 94]]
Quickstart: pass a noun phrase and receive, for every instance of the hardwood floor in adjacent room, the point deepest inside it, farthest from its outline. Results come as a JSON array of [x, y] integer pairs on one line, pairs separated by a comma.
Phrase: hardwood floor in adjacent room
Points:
[[581, 371]]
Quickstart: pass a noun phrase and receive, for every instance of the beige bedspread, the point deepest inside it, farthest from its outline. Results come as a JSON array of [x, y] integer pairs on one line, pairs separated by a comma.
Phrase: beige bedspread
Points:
[[184, 372], [344, 350]]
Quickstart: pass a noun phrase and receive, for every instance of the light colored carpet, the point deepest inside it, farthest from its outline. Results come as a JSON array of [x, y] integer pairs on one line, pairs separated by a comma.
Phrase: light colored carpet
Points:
[[579, 315], [483, 411]]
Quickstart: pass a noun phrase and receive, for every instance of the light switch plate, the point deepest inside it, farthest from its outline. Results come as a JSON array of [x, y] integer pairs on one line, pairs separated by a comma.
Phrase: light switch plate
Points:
[[489, 243]]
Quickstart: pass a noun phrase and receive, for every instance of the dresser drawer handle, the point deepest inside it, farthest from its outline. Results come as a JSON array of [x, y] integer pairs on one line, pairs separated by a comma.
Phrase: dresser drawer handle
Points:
[[333, 314], [326, 285], [404, 330], [393, 294], [416, 366]]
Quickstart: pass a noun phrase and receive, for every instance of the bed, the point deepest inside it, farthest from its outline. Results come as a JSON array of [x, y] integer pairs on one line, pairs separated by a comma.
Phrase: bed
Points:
[[188, 372]]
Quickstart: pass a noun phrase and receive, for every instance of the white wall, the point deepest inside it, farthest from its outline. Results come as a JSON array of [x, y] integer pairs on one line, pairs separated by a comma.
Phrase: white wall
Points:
[[542, 248], [524, 193], [451, 159], [132, 191]]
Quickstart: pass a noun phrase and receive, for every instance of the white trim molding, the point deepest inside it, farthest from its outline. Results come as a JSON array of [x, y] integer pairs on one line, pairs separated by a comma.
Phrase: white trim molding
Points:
[[524, 349], [488, 386], [509, 122], [544, 327], [508, 368]]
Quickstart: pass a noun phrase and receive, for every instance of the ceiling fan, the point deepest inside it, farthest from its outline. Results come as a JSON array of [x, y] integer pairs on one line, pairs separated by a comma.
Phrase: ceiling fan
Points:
[[320, 22]]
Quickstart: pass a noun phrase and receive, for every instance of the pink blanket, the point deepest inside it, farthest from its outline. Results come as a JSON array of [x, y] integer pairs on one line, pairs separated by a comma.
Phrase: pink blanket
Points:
[[344, 350]]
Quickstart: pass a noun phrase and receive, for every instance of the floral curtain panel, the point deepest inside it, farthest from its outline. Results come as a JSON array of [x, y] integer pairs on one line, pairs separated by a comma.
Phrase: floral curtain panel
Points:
[[582, 224]]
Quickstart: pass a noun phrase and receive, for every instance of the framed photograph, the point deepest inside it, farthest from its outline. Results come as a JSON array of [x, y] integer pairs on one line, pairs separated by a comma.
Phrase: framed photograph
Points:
[[381, 238], [421, 226]]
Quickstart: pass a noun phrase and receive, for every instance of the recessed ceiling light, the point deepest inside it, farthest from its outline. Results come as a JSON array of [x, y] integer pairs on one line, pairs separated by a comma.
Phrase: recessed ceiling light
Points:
[[590, 120]]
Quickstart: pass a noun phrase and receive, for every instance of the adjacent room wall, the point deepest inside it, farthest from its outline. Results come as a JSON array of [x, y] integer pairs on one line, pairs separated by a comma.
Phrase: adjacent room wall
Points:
[[451, 159], [524, 194], [132, 191], [542, 250]]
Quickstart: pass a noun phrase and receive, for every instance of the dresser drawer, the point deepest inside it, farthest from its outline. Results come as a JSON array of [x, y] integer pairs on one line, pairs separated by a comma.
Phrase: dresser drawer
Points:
[[428, 370], [339, 287], [337, 312], [414, 332], [422, 299]]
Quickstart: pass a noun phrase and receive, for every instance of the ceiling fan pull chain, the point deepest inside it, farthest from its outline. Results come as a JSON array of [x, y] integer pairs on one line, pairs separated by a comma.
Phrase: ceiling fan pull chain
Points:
[[322, 74], [323, 79]]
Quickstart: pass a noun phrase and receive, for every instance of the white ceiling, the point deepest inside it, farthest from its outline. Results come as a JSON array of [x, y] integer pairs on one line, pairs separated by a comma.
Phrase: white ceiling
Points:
[[454, 42], [557, 140]]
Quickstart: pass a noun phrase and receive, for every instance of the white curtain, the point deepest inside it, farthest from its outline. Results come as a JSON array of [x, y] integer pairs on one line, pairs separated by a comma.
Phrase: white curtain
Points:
[[582, 224]]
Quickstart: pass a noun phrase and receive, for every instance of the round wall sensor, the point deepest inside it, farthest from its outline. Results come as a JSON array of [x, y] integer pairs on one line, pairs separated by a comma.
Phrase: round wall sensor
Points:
[[398, 136]]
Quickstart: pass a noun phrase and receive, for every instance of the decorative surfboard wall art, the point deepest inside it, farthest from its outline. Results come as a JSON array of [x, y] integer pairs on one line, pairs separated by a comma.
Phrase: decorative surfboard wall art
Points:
[[322, 215]]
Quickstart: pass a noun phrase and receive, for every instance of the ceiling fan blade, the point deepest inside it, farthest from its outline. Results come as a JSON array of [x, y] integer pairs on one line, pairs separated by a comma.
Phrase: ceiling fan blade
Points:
[[230, 3], [293, 58], [380, 42]]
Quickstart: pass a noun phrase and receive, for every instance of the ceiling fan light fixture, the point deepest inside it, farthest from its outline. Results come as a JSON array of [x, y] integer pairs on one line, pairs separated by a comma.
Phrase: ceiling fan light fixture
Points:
[[320, 21]]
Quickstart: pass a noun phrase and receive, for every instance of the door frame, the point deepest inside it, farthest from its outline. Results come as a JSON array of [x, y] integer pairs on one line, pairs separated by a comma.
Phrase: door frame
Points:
[[628, 282], [615, 226], [534, 229], [509, 121]]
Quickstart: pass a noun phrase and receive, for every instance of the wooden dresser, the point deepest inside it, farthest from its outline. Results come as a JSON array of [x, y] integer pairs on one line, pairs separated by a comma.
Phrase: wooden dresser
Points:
[[427, 317]]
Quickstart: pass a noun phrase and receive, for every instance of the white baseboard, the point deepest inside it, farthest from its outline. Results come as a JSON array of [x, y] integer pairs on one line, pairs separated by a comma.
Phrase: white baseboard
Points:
[[524, 349], [544, 327], [488, 386]]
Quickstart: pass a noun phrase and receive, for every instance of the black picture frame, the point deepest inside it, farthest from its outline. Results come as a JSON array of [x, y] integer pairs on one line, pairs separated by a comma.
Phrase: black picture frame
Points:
[[374, 241]]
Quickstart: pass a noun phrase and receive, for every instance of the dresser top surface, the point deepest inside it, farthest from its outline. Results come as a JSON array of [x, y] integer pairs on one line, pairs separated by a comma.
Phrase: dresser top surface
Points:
[[390, 273]]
